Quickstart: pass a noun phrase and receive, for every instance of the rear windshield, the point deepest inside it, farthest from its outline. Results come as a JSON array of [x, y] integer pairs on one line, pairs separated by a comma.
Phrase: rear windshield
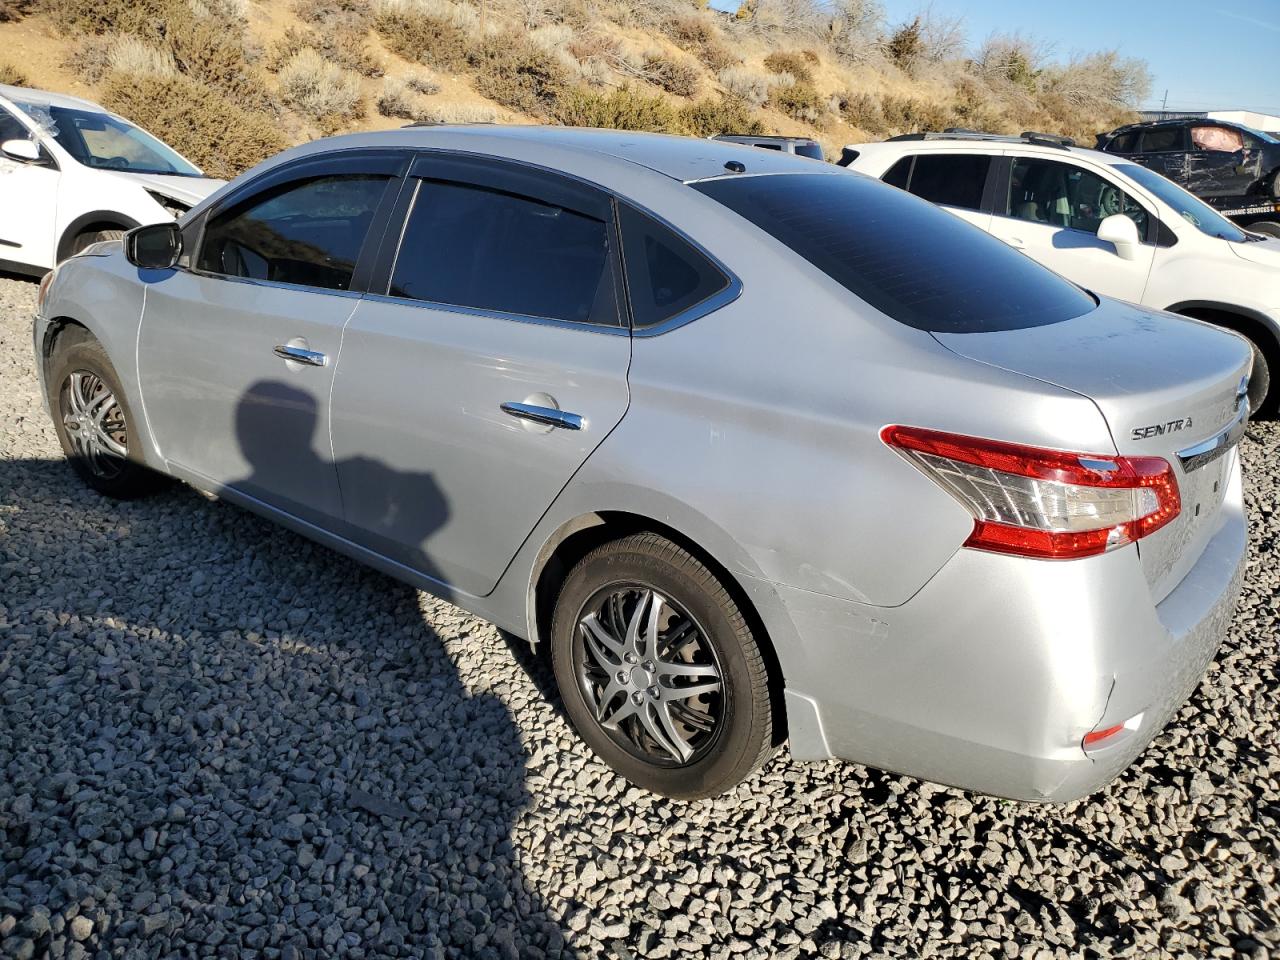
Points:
[[918, 264]]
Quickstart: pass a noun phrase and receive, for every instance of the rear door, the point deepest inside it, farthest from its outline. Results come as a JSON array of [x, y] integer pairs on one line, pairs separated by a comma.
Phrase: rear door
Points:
[[486, 364], [956, 182], [1164, 150], [1051, 211]]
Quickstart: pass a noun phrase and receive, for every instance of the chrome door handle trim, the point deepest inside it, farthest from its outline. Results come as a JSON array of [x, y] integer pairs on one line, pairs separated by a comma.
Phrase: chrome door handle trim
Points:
[[1207, 451], [549, 416], [300, 355]]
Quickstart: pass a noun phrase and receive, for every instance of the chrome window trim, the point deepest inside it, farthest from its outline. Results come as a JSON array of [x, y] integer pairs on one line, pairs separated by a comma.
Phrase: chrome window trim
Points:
[[615, 330], [271, 284], [730, 293]]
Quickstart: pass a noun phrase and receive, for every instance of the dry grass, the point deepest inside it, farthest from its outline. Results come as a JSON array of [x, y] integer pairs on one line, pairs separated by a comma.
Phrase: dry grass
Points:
[[513, 71], [11, 76], [436, 39], [15, 9], [461, 113], [343, 44], [132, 55], [748, 84], [798, 100], [198, 121], [318, 89], [397, 99], [697, 34], [422, 82]]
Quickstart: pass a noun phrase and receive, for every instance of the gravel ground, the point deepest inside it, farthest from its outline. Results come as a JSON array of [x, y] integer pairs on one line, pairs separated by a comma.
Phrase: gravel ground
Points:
[[217, 739]]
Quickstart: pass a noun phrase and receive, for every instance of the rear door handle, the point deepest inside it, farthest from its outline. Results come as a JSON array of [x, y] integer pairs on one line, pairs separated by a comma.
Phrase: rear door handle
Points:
[[311, 358], [549, 416], [1015, 243]]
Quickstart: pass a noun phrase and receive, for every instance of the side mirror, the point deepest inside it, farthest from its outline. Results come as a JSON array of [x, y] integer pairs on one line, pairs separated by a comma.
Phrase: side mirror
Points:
[[26, 151], [156, 246], [1122, 233]]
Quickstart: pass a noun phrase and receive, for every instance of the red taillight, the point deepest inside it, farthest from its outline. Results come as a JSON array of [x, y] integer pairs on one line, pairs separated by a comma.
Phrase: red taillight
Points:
[[1095, 735], [1049, 504]]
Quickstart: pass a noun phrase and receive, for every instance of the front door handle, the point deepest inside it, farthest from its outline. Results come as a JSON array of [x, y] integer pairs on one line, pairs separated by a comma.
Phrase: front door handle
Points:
[[311, 358], [548, 416]]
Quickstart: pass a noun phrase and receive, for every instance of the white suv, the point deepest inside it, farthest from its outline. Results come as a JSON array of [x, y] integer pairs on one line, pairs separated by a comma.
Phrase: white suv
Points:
[[71, 174], [1110, 225]]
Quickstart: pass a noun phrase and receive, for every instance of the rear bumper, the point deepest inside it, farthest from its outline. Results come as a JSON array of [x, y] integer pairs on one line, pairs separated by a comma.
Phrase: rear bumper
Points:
[[989, 678]]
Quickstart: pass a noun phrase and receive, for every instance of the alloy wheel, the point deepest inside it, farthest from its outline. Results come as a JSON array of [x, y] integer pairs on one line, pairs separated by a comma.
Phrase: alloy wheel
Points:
[[650, 674], [94, 423]]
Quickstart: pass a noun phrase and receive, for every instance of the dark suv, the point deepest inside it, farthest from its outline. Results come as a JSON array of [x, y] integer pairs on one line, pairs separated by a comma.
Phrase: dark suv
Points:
[[1233, 168]]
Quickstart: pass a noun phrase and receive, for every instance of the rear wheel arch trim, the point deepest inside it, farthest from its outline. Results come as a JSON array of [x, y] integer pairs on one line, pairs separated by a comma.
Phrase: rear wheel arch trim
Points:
[[95, 220], [577, 537], [1235, 318]]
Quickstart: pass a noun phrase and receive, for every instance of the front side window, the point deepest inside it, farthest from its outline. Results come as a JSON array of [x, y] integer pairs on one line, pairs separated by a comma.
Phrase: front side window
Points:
[[307, 233], [666, 275], [1162, 140], [1064, 195], [101, 140], [469, 246], [1217, 139], [919, 265]]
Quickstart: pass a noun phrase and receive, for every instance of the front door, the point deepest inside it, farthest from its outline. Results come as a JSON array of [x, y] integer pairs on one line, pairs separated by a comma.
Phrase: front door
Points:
[[469, 394], [1223, 162], [1052, 213], [237, 352], [28, 202]]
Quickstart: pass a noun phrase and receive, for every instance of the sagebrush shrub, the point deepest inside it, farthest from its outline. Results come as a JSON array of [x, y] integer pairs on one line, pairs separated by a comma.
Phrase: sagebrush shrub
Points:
[[423, 39], [460, 113], [714, 115], [516, 73], [790, 61], [696, 34], [621, 109], [11, 76], [319, 89], [748, 84], [676, 75], [196, 120], [395, 99], [800, 101]]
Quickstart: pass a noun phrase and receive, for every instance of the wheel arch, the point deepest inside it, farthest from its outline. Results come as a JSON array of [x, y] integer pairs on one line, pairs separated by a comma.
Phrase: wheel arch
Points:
[[91, 221], [577, 537], [1253, 324]]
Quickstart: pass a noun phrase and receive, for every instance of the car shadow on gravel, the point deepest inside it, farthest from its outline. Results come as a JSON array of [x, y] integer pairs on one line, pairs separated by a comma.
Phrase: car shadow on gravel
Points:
[[218, 738]]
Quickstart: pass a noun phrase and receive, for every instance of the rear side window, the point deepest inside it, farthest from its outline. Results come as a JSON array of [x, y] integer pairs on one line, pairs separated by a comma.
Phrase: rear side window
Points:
[[918, 264], [666, 275], [307, 233], [469, 246], [1162, 140], [951, 179], [1125, 143]]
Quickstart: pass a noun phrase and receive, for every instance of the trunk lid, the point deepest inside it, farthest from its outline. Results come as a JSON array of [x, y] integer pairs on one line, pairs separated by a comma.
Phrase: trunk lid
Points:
[[1165, 385]]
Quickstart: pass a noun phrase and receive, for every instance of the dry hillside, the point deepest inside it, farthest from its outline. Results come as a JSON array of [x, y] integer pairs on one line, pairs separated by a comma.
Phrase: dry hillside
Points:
[[229, 82]]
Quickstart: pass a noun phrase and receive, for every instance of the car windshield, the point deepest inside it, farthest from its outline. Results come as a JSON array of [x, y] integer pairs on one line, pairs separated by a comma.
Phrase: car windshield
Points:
[[105, 142], [1196, 212], [905, 257], [1260, 134]]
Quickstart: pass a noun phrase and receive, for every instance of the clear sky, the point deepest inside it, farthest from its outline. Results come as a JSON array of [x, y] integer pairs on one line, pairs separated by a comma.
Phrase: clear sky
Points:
[[1206, 53]]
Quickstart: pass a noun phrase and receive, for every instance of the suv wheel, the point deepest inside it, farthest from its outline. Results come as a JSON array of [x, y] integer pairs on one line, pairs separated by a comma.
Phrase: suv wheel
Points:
[[93, 420], [94, 236], [658, 670]]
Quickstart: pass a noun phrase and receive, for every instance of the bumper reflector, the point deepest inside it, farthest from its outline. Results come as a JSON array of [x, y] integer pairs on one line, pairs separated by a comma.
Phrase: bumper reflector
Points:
[[1094, 736]]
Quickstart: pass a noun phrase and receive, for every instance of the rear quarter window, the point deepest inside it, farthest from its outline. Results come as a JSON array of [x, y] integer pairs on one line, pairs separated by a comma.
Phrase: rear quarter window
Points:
[[922, 266]]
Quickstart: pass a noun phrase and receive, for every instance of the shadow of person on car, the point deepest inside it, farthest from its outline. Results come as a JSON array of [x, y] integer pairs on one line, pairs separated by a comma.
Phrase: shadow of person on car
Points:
[[247, 741]]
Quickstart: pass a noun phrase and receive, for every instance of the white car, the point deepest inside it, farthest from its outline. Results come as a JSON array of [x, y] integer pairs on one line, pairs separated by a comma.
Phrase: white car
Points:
[[72, 173], [1112, 226]]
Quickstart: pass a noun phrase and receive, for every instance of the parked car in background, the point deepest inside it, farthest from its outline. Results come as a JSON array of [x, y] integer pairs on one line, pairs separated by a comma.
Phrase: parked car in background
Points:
[[761, 449], [72, 174], [801, 146], [1112, 226], [1233, 168]]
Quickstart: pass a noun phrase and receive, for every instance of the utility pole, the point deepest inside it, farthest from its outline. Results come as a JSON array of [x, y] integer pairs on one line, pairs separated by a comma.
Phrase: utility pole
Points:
[[1164, 104]]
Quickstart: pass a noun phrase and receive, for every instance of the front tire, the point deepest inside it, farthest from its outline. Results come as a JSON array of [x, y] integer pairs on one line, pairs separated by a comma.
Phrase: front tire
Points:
[[94, 236], [93, 420], [1268, 228], [659, 672]]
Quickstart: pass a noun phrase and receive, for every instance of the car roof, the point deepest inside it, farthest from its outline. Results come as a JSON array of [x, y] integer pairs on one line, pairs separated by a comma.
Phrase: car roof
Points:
[[992, 146], [680, 158], [46, 98]]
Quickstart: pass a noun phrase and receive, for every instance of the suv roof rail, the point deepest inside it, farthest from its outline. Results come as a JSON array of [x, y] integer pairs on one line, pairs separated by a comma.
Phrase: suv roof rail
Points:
[[959, 133], [763, 136]]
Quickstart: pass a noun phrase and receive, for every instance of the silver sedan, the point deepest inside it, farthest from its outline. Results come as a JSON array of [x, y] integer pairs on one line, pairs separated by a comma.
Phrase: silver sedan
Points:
[[759, 449]]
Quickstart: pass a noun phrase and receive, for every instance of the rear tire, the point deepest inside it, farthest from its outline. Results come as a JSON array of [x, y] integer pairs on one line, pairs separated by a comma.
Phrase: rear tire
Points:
[[626, 673], [93, 421], [1262, 397]]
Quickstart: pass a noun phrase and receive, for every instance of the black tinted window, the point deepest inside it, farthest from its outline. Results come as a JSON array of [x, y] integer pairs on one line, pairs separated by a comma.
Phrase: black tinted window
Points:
[[1161, 139], [955, 180], [916, 263], [479, 248], [309, 233], [899, 174], [811, 150], [1125, 143], [665, 275]]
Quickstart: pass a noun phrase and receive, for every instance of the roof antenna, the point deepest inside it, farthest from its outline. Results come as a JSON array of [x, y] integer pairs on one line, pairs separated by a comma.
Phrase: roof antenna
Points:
[[736, 166]]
